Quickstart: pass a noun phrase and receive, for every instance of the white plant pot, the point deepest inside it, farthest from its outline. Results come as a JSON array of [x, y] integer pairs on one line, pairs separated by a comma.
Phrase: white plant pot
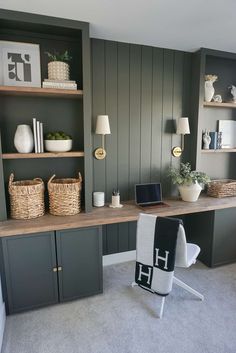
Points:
[[58, 70], [190, 193], [58, 145], [209, 91], [23, 139]]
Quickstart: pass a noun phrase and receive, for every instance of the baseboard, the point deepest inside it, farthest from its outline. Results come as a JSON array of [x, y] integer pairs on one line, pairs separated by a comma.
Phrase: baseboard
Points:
[[119, 258], [2, 322]]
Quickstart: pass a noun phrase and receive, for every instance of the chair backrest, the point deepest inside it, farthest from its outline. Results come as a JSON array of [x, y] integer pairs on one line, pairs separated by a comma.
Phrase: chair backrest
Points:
[[181, 248]]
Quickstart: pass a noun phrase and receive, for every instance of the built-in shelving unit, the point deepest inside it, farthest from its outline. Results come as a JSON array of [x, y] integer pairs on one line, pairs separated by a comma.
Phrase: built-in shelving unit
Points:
[[58, 109], [219, 105], [40, 92], [43, 155]]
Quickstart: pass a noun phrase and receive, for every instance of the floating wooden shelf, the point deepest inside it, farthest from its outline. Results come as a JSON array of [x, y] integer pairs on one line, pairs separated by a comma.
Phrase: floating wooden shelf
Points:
[[40, 92], [222, 150], [219, 105], [43, 155]]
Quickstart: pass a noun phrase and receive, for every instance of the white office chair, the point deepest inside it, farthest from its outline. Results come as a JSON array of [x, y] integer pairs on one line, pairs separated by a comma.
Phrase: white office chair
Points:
[[186, 255]]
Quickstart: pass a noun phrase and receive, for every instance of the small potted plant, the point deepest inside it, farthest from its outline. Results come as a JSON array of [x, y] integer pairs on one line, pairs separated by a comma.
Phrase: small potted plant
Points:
[[58, 67], [190, 182]]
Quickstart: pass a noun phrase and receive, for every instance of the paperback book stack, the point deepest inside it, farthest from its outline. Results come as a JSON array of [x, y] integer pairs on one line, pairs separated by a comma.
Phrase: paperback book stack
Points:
[[65, 84], [38, 136]]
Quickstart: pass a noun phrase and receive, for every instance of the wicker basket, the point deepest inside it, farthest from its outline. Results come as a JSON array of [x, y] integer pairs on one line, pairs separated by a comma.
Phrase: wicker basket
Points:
[[64, 196], [222, 188], [26, 198]]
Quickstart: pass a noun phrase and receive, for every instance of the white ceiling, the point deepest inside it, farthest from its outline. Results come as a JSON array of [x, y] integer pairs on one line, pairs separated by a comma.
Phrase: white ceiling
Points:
[[176, 24]]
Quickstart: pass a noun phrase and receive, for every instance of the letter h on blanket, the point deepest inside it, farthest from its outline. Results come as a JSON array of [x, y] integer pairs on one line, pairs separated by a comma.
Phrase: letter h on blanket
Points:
[[161, 245]]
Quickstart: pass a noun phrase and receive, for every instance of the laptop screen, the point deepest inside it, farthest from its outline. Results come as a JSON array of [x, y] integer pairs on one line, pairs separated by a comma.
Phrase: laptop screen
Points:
[[148, 193]]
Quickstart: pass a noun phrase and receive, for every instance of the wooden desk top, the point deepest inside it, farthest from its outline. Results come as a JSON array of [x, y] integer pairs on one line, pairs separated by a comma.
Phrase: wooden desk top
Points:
[[106, 215]]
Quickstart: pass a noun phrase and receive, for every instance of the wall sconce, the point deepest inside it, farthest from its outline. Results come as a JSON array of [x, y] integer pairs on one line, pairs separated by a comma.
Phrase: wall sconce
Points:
[[102, 128], [182, 129]]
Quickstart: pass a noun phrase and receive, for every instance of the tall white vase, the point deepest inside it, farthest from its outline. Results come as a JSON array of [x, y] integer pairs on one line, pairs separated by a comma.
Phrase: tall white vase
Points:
[[24, 140], [209, 91], [190, 193]]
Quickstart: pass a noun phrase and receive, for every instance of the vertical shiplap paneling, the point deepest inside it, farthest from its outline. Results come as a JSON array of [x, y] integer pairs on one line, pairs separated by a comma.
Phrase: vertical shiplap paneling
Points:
[[157, 102], [98, 108], [123, 119], [135, 116], [146, 114], [111, 84], [143, 90], [168, 85]]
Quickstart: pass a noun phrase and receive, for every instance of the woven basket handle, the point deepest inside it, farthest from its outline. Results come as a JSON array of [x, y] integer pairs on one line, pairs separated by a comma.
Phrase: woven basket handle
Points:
[[38, 179], [52, 177], [11, 178], [80, 177]]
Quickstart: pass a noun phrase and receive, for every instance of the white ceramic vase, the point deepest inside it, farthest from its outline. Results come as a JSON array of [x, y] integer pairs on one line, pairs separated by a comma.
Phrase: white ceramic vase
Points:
[[23, 139], [190, 193], [209, 91]]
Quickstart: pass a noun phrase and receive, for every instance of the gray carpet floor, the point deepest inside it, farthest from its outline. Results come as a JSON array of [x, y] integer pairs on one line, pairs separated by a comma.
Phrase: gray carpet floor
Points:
[[125, 319]]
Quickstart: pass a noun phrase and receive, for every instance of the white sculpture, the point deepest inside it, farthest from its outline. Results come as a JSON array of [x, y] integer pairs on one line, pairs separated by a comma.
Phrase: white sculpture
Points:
[[206, 140], [233, 92]]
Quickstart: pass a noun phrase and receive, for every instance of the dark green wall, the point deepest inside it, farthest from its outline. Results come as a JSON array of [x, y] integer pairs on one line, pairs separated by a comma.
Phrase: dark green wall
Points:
[[143, 90]]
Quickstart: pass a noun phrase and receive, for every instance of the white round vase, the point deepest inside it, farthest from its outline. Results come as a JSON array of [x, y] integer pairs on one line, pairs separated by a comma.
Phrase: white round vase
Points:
[[209, 91], [190, 193], [23, 139]]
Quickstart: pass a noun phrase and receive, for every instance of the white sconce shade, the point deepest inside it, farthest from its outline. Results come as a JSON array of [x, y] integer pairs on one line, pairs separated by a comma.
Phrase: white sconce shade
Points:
[[183, 127], [102, 125]]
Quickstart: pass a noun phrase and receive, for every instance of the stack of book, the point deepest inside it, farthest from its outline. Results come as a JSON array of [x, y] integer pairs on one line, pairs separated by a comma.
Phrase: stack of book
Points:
[[65, 84], [38, 136]]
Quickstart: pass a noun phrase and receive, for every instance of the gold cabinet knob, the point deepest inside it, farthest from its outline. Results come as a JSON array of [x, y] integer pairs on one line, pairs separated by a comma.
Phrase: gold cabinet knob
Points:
[[54, 269], [59, 268]]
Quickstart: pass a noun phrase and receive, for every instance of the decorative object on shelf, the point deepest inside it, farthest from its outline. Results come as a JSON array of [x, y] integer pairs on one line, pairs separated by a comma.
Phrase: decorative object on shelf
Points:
[[38, 136], [26, 198], [19, 64], [233, 92], [102, 128], [189, 182], [206, 139], [222, 188], [115, 199], [213, 136], [23, 139], [98, 198], [58, 68], [58, 142], [65, 196], [217, 98], [228, 130], [219, 140], [182, 129], [209, 89]]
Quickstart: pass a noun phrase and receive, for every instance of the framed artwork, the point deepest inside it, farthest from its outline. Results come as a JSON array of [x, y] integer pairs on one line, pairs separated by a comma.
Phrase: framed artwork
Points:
[[228, 129], [19, 64]]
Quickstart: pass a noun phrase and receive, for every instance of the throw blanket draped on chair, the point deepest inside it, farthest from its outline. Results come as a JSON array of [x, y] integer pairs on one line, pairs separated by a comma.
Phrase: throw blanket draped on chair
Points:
[[155, 259]]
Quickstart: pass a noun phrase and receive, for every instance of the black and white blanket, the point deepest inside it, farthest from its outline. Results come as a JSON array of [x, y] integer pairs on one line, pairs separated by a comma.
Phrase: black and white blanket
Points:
[[156, 248]]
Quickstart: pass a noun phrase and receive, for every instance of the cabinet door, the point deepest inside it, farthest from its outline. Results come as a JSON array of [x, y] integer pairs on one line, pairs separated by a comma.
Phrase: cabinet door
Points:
[[29, 261], [79, 254]]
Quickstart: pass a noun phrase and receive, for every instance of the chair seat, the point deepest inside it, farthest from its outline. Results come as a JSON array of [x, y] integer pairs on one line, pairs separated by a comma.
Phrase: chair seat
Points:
[[192, 253]]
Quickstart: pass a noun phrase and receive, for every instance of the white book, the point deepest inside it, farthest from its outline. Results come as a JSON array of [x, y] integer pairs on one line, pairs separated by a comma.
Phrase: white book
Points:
[[59, 81], [41, 138], [35, 136], [38, 137], [60, 85]]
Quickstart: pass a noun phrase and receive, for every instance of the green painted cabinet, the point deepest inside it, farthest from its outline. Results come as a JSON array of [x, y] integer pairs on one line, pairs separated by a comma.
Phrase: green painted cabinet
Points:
[[46, 268], [29, 261], [79, 254]]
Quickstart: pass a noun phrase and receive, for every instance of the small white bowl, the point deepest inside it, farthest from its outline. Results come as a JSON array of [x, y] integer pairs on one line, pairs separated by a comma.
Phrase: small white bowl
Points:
[[58, 145]]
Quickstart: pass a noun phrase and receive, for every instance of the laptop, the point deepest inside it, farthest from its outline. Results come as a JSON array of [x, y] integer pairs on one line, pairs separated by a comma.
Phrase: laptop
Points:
[[149, 195]]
